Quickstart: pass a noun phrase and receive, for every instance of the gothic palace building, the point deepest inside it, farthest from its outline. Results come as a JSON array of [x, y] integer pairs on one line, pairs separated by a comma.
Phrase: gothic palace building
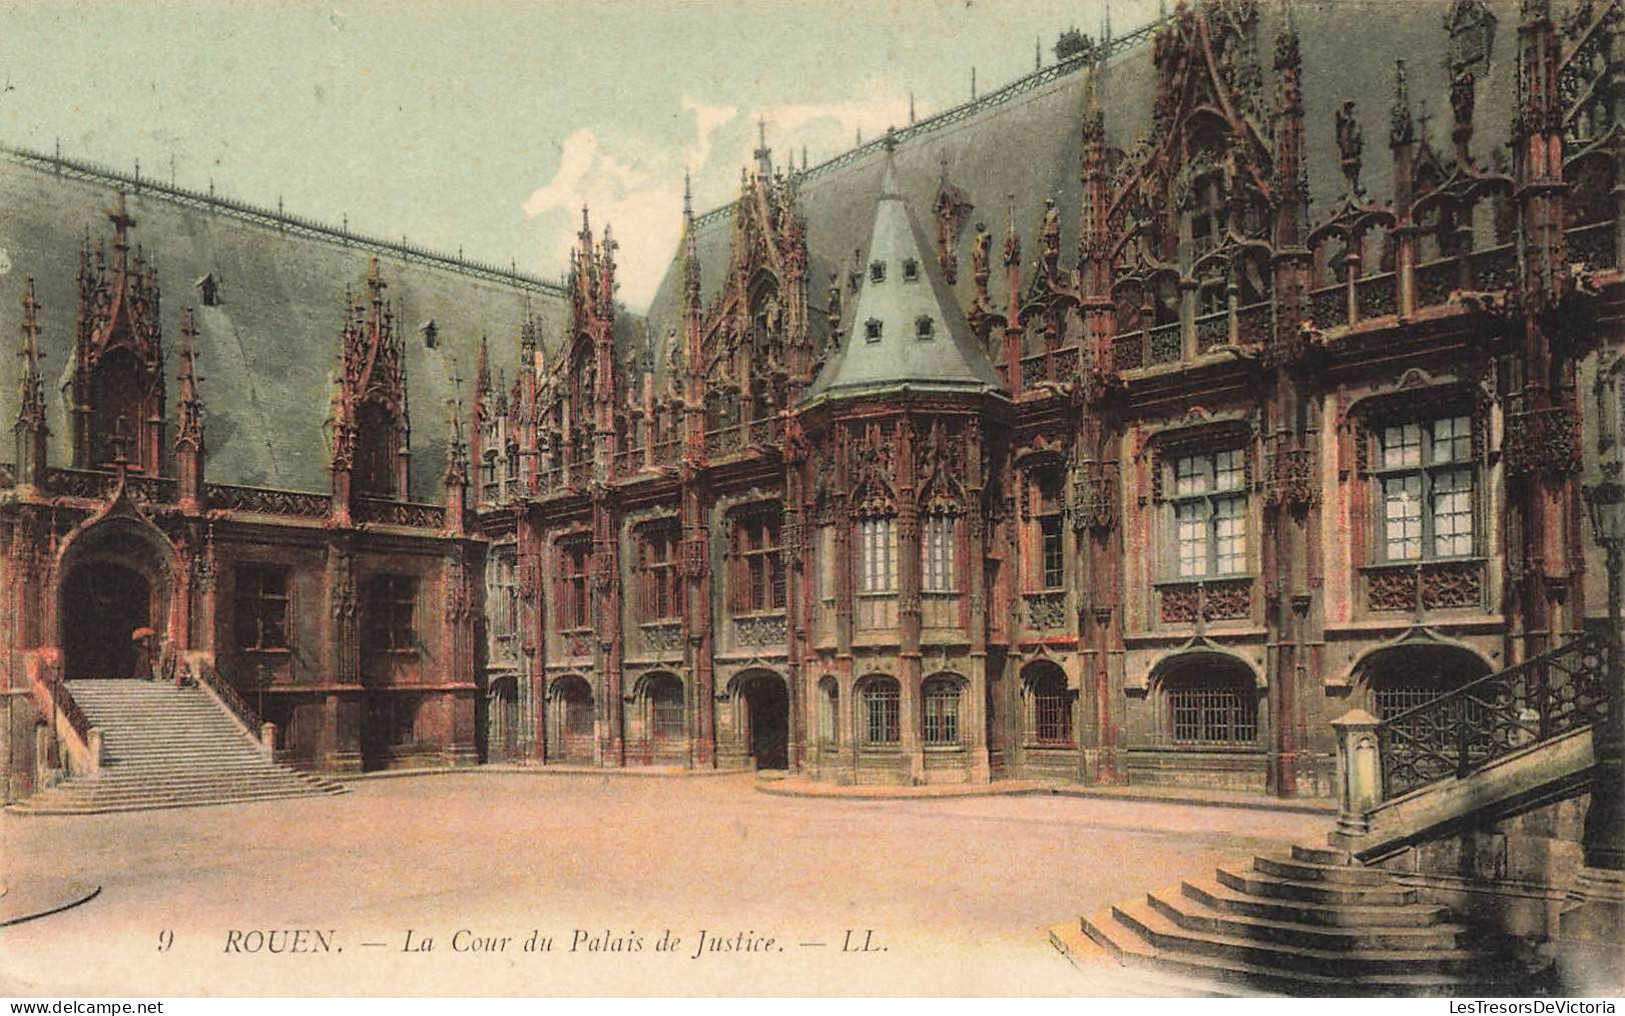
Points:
[[1127, 424]]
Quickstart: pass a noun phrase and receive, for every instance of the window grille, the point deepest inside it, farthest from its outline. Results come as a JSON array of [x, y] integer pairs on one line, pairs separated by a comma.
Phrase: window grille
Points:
[[941, 701], [1210, 713], [1052, 710], [881, 712]]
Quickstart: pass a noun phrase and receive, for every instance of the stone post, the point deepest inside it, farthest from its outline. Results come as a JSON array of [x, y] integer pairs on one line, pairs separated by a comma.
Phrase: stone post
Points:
[[1359, 771]]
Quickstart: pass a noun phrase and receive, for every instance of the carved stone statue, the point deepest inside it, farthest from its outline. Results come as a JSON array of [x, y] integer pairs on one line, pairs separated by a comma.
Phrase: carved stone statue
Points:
[[1350, 142]]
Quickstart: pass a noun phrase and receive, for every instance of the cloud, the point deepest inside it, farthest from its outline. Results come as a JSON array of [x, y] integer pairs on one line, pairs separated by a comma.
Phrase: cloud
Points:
[[635, 184]]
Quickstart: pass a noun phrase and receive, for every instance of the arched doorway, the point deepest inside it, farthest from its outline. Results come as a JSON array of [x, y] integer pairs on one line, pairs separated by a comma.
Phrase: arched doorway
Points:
[[766, 715], [103, 603], [571, 717]]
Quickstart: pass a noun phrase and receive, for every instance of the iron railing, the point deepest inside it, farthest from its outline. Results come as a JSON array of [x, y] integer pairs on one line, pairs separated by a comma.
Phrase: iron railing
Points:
[[207, 677], [1462, 731]]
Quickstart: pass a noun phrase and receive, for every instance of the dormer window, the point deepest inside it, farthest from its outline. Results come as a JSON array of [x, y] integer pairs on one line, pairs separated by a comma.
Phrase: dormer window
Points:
[[877, 271], [924, 328], [871, 329], [209, 291], [431, 334], [911, 271]]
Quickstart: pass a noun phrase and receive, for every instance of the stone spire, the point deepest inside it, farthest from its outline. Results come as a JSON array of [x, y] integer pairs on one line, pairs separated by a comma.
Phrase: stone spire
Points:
[[30, 428]]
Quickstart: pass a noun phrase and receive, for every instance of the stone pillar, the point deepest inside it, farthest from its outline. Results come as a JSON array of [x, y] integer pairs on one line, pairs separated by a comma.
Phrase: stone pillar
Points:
[[1359, 771]]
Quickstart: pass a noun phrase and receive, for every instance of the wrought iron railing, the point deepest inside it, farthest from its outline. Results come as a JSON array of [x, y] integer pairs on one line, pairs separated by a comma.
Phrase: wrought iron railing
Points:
[[1593, 244], [207, 677], [1462, 731], [1377, 296]]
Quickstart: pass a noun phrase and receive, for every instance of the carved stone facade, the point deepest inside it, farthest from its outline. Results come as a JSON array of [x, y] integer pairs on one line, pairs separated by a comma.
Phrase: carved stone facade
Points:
[[1239, 436]]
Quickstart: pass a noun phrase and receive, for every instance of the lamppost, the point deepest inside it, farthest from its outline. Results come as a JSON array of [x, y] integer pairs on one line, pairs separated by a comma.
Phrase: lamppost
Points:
[[1593, 922]]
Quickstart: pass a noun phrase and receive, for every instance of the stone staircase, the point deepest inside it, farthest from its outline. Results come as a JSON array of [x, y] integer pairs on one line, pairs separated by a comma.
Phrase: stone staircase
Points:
[[1315, 922], [167, 747]]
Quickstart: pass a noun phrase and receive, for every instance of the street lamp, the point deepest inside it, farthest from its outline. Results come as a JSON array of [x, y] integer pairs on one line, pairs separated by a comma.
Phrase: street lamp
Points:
[[1593, 923]]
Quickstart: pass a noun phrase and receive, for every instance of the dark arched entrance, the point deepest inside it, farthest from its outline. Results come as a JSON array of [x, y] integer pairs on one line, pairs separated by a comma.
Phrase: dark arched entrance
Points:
[[767, 720], [102, 604]]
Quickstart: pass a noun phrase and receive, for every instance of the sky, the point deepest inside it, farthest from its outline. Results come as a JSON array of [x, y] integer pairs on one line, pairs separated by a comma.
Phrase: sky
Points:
[[484, 125]]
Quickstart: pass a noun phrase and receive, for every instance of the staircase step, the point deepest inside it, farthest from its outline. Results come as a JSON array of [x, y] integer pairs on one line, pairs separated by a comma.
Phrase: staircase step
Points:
[[1212, 893], [1321, 855], [168, 747], [1193, 915], [1163, 932], [1256, 883], [1311, 871]]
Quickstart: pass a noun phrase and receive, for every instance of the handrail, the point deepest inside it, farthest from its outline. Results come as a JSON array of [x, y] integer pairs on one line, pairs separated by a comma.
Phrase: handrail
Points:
[[201, 667], [1465, 729]]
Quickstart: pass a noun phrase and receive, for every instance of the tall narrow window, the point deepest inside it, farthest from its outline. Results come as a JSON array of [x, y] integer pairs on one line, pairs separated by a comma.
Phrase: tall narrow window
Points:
[[1210, 514], [1425, 472], [758, 570], [829, 700], [937, 555], [502, 595], [262, 607], [881, 712], [666, 708], [391, 604], [877, 555], [571, 599], [662, 590], [1051, 529], [940, 698]]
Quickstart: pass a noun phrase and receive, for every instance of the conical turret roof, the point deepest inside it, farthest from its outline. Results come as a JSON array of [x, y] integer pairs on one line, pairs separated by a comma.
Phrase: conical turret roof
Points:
[[904, 330]]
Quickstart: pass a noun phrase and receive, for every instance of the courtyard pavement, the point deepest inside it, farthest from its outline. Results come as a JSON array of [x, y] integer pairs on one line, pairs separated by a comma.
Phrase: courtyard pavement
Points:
[[927, 896]]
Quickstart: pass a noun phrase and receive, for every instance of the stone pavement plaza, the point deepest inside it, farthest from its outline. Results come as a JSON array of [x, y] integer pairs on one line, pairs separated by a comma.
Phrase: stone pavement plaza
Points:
[[940, 896]]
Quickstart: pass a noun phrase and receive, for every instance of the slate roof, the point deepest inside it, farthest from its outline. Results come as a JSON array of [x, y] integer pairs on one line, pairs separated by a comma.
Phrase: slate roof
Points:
[[1026, 145], [905, 331], [268, 352]]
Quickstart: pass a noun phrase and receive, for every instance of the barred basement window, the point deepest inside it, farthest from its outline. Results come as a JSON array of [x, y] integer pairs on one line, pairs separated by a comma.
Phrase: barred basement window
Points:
[[1209, 507], [1426, 483], [881, 712], [391, 603], [1051, 709], [941, 717], [666, 708], [261, 613], [937, 555], [1208, 711]]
